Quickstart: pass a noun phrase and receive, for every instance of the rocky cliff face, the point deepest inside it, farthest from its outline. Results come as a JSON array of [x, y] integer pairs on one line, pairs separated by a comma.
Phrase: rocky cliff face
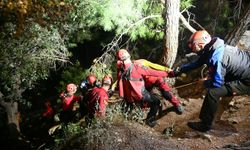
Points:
[[244, 42]]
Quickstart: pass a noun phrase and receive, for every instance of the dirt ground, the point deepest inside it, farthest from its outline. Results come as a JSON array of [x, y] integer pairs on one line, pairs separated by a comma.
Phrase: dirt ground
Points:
[[231, 129]]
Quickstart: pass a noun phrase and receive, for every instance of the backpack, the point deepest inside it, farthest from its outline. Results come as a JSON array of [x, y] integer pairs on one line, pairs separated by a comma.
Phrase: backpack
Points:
[[132, 87]]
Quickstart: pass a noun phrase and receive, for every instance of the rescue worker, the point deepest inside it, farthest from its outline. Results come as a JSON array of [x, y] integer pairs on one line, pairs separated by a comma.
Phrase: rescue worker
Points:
[[132, 85], [97, 99], [47, 118], [89, 83], [229, 74], [152, 81], [68, 101], [49, 111], [86, 85]]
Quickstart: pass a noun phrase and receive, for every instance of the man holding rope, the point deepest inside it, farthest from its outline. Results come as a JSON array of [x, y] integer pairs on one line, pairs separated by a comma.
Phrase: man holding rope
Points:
[[229, 74]]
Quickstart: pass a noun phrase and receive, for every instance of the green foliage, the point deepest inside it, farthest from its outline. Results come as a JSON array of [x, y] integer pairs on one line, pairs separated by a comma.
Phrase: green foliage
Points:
[[185, 4], [71, 74], [169, 131], [224, 20], [100, 132], [134, 18], [68, 132], [133, 113], [81, 19], [28, 58], [75, 74], [219, 20], [100, 69], [139, 19], [123, 16]]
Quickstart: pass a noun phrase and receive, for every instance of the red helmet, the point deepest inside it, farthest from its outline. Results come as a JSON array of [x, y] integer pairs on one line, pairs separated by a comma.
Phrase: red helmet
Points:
[[91, 79], [122, 54], [199, 38], [71, 88], [107, 80]]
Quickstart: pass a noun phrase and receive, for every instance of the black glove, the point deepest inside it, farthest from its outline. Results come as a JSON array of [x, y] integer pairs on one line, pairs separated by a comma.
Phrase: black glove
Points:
[[111, 92], [176, 72]]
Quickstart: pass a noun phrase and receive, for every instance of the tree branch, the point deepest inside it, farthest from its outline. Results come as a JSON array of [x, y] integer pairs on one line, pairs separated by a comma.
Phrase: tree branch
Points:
[[186, 24], [113, 45]]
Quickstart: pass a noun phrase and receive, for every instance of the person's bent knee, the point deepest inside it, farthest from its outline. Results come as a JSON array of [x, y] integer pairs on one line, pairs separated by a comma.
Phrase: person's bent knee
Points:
[[214, 93]]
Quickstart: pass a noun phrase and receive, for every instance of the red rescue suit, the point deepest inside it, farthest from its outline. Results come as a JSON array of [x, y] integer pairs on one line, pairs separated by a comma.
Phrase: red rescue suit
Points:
[[68, 101], [68, 113], [159, 82], [49, 112], [97, 100], [151, 81], [131, 80]]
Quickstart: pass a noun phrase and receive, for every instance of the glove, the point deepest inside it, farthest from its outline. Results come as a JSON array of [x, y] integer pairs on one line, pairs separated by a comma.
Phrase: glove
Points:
[[171, 74], [111, 92], [175, 72], [63, 95]]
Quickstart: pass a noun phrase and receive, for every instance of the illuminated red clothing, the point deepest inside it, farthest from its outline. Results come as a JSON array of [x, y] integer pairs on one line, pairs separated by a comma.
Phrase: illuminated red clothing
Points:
[[97, 99], [159, 82], [151, 81], [68, 102], [132, 76], [49, 112]]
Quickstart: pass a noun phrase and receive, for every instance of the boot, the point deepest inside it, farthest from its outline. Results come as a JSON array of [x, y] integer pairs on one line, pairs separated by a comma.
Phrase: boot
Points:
[[199, 126], [151, 122], [179, 109]]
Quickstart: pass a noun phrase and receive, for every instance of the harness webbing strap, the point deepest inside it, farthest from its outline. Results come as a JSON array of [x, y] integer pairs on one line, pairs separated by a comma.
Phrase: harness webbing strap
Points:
[[126, 74]]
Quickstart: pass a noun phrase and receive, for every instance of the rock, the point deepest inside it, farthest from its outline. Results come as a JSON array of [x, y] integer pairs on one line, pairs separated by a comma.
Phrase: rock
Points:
[[233, 146], [244, 42]]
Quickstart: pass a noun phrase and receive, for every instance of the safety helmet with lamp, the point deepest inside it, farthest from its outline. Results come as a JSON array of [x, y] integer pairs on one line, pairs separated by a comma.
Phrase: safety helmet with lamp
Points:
[[71, 88], [107, 80], [122, 54], [198, 40], [91, 79]]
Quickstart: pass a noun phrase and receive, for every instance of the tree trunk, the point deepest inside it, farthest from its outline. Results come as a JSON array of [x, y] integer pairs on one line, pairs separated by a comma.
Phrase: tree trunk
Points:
[[234, 36], [11, 109], [171, 32]]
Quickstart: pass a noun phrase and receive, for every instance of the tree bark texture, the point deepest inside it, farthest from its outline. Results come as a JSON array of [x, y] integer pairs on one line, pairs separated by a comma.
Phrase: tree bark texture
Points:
[[234, 36], [11, 109], [171, 32]]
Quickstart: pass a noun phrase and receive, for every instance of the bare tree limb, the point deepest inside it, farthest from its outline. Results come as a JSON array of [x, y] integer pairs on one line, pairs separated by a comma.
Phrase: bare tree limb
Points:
[[186, 24], [114, 44]]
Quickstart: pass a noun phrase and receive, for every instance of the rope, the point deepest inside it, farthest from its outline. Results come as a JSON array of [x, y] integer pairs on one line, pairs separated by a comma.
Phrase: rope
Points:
[[184, 85], [115, 101], [194, 82], [202, 71]]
